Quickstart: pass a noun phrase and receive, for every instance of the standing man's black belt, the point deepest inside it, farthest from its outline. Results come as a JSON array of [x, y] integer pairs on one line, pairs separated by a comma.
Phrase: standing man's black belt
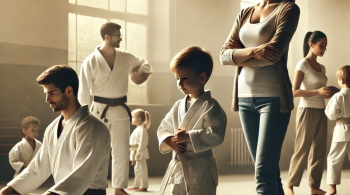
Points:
[[112, 102]]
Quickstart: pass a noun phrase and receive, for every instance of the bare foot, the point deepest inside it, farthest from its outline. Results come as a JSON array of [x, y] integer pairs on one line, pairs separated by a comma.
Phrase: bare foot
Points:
[[132, 188], [317, 191], [289, 190], [120, 192], [141, 190], [332, 190]]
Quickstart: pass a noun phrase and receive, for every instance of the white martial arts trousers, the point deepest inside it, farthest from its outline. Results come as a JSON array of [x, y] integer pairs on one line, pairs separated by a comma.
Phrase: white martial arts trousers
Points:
[[120, 135], [335, 161], [208, 187], [141, 174]]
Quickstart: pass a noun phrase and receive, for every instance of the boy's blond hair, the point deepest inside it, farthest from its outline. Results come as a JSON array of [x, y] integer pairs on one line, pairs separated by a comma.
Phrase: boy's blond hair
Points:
[[196, 58], [28, 121], [343, 74]]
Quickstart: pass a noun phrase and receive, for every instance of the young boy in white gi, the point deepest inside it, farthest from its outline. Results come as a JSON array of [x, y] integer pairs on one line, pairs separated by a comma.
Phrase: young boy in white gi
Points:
[[193, 127], [25, 150], [338, 108]]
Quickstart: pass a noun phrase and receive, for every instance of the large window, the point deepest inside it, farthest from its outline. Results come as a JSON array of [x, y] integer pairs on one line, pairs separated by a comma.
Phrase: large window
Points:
[[247, 3], [87, 16]]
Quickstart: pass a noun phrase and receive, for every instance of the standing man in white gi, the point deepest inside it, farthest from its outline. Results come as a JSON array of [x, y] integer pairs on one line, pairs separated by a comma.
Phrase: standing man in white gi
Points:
[[105, 75], [76, 144]]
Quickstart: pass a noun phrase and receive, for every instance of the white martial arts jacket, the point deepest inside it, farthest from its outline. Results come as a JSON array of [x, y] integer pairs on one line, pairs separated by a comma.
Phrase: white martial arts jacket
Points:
[[22, 153], [140, 137], [96, 78], [78, 159], [339, 107], [206, 130]]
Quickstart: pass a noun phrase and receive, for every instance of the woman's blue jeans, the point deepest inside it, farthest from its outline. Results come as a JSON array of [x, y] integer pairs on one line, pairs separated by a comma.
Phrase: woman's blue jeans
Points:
[[265, 127]]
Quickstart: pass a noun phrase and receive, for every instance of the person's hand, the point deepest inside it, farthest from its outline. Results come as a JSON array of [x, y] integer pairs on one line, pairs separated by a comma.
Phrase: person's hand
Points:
[[323, 91], [171, 142], [7, 190], [182, 136], [181, 139], [266, 52], [26, 164], [132, 163], [181, 147]]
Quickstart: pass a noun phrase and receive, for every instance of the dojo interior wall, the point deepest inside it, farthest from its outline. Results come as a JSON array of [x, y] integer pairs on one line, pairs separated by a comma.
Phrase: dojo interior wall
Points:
[[34, 36]]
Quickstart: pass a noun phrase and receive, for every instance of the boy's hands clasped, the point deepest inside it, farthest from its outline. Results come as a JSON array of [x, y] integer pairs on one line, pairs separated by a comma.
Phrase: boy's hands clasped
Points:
[[181, 139], [178, 142]]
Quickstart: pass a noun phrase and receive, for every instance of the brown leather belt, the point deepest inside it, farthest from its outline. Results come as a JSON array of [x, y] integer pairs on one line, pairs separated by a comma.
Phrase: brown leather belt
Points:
[[112, 102], [342, 121]]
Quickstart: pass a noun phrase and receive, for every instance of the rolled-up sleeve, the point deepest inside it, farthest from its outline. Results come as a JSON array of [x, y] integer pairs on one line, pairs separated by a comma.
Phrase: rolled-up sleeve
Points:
[[232, 43]]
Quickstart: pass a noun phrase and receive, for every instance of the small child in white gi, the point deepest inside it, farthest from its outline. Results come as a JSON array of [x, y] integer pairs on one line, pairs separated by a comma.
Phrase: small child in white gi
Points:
[[338, 108], [25, 150], [138, 148], [194, 126]]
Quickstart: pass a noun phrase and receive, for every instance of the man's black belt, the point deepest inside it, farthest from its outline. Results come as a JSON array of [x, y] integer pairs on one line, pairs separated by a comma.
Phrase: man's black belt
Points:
[[95, 192], [112, 102]]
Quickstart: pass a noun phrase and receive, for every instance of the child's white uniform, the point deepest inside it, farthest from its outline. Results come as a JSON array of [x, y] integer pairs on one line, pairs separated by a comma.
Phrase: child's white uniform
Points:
[[338, 107], [140, 137], [207, 130], [22, 153]]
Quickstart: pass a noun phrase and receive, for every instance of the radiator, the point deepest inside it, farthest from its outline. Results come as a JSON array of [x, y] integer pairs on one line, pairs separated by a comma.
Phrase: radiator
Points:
[[240, 155]]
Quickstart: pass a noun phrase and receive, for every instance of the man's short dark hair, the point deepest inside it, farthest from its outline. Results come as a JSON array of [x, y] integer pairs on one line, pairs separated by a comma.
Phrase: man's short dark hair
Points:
[[108, 29], [61, 76], [196, 58]]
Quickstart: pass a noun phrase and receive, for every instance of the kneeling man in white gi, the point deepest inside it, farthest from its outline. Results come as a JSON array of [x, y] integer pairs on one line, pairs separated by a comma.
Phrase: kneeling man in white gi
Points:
[[76, 144]]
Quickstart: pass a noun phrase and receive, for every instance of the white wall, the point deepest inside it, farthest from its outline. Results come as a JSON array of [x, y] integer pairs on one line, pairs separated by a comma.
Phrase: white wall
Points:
[[40, 23], [33, 36]]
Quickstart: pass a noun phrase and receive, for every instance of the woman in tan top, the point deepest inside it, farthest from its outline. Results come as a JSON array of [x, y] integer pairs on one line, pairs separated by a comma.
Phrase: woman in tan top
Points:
[[258, 46]]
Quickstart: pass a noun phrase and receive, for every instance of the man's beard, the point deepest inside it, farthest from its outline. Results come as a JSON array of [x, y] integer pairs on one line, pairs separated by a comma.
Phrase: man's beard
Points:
[[62, 104], [114, 44]]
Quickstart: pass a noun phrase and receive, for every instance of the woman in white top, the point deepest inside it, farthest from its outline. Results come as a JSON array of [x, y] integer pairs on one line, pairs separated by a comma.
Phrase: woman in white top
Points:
[[311, 122], [138, 148]]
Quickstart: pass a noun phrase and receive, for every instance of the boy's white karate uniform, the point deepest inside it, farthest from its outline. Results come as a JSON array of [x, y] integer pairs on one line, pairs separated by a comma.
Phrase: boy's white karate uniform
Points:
[[140, 137], [338, 107], [97, 79], [22, 153], [77, 160], [206, 129]]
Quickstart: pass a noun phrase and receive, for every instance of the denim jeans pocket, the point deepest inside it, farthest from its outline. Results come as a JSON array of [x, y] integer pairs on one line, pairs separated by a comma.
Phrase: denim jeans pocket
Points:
[[268, 104]]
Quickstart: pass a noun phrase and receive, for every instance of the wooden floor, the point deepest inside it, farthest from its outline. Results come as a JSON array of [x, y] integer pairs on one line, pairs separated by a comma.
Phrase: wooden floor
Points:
[[231, 185]]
